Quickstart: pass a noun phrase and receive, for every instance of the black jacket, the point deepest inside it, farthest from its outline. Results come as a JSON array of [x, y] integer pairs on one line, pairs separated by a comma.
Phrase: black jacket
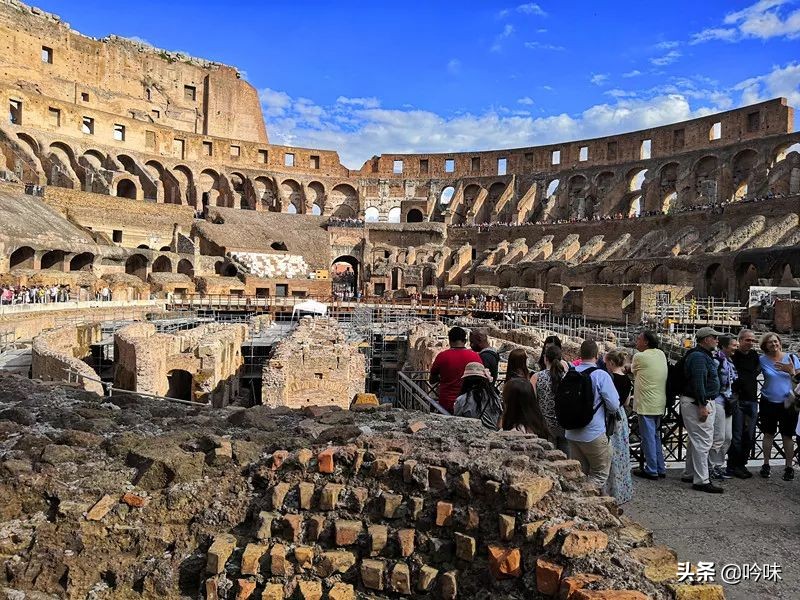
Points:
[[748, 368]]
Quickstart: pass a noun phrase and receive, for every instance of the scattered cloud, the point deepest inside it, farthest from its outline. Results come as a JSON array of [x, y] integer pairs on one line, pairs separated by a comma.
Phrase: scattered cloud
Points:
[[763, 20], [543, 46], [634, 73], [666, 59], [599, 78], [360, 128], [140, 40], [531, 9], [541, 31], [454, 66], [547, 88], [503, 13], [508, 31], [668, 45]]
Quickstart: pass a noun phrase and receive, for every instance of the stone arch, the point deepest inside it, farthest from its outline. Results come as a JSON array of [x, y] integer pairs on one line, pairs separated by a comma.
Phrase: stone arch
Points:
[[660, 275], [315, 194], [744, 164], [185, 179], [414, 216], [316, 210], [22, 258], [126, 188], [343, 201], [371, 214], [782, 151], [716, 281], [82, 262], [31, 142], [394, 215], [635, 179], [632, 274], [577, 186], [171, 190], [634, 208], [52, 260], [705, 177], [180, 384], [186, 267], [668, 185], [208, 184], [471, 193], [342, 280], [746, 276], [137, 265], [60, 162], [606, 275], [292, 194], [162, 264], [266, 198], [94, 158]]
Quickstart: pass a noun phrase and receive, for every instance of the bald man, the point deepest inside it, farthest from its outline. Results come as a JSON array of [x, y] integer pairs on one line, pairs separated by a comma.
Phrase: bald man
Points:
[[479, 342]]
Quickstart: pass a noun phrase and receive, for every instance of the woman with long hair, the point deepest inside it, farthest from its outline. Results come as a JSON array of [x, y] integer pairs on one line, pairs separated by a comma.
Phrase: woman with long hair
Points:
[[619, 483], [478, 398], [545, 383], [517, 364], [550, 339], [521, 412]]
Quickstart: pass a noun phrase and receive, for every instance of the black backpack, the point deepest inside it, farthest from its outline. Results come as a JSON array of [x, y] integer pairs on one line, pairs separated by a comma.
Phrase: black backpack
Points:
[[677, 382], [574, 399]]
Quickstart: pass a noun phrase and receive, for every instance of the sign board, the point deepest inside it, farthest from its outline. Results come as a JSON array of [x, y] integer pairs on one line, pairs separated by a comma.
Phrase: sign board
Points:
[[764, 295]]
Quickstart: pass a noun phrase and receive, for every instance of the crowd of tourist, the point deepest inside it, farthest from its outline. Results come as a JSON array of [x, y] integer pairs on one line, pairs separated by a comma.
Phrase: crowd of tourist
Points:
[[345, 222], [36, 294], [583, 408]]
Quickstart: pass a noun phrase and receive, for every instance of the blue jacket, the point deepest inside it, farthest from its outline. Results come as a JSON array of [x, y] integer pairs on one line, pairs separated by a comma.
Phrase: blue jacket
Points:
[[702, 372]]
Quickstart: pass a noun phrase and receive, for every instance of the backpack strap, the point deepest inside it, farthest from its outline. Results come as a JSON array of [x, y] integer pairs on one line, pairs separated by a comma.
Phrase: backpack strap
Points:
[[588, 373]]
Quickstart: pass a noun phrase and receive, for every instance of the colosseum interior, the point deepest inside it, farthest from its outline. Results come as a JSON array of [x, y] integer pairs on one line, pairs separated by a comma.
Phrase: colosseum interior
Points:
[[175, 416]]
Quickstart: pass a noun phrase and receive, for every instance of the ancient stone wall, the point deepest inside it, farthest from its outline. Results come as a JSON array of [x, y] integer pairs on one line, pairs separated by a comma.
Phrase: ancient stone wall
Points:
[[787, 315], [56, 356], [307, 504], [627, 302], [209, 356], [314, 366]]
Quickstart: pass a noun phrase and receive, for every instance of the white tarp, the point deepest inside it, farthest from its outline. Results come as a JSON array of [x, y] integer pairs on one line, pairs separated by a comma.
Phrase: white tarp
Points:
[[310, 306]]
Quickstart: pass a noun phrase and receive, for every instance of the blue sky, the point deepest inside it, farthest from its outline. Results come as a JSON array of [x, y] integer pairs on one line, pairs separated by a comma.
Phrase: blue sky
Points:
[[370, 77]]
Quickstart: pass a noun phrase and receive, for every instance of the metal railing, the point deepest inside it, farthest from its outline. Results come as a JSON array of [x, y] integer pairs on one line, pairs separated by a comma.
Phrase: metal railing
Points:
[[414, 392]]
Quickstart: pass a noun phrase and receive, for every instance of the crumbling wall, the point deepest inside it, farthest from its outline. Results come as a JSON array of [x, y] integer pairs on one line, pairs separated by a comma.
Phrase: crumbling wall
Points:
[[58, 352], [425, 341], [314, 366]]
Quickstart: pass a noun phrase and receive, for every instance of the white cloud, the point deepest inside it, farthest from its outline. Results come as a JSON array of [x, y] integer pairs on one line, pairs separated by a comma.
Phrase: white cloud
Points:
[[358, 132], [503, 13], [598, 78], [763, 20], [531, 9], [547, 88], [634, 73], [667, 59], [508, 31], [527, 101], [543, 46], [668, 45], [454, 66], [365, 102], [140, 40]]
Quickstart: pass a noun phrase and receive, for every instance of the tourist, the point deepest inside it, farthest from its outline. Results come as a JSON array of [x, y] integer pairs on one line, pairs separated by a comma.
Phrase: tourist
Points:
[[517, 365], [778, 412], [723, 411], [589, 444], [545, 383], [745, 410], [550, 339], [479, 342], [649, 369], [478, 398], [697, 409], [448, 367], [619, 483], [521, 412]]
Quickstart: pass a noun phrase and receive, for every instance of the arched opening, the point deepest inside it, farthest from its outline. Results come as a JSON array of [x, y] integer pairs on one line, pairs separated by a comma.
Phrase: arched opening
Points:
[[162, 265], [397, 278], [316, 209], [636, 179], [165, 249], [344, 276], [743, 164], [705, 173], [180, 384], [53, 260], [315, 194], [230, 270], [22, 258], [631, 275], [82, 262], [447, 195], [126, 189], [606, 275], [292, 196], [660, 275], [414, 216], [371, 214], [343, 201], [636, 207], [265, 193], [716, 281], [136, 265], [143, 247], [747, 276], [185, 267], [669, 201], [394, 215], [782, 152], [291, 209], [552, 188]]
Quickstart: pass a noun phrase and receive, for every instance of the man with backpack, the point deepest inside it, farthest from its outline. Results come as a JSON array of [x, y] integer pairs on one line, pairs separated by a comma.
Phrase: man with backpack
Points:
[[583, 398], [702, 387]]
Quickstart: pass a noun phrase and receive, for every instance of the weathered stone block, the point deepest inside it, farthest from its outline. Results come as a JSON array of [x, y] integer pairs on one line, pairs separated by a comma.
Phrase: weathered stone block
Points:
[[660, 563], [569, 585], [265, 525], [341, 591], [325, 461], [426, 579], [405, 538], [279, 491], [329, 496], [372, 573], [101, 508], [699, 592], [465, 546], [400, 579], [304, 556], [347, 532], [219, 553], [305, 492], [378, 536], [548, 576], [437, 478], [310, 590], [391, 503], [293, 527], [246, 589], [277, 560], [504, 563], [525, 493], [506, 525], [444, 511], [582, 543], [251, 558], [272, 591], [449, 585]]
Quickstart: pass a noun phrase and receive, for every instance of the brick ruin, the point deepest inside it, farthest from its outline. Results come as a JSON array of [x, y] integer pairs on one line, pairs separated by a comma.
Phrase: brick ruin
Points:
[[56, 356], [200, 364], [304, 504], [314, 366]]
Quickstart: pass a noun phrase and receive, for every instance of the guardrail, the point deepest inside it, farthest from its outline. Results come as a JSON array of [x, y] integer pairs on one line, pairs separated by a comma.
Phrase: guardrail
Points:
[[11, 309], [414, 393]]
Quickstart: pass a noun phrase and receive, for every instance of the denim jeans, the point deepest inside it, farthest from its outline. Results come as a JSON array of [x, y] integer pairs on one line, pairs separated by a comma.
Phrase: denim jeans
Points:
[[745, 418], [650, 434]]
